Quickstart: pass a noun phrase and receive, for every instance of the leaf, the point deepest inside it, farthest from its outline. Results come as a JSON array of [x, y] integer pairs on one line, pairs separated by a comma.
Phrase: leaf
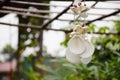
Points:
[[117, 25], [45, 68], [91, 27], [65, 71], [69, 65], [103, 29], [51, 77], [64, 43]]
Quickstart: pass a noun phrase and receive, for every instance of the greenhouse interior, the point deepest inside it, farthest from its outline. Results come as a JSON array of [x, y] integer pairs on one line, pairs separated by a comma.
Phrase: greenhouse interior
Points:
[[59, 40]]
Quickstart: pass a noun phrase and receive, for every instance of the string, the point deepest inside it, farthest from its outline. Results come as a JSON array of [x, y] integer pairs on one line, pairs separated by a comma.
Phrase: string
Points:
[[74, 19], [84, 15]]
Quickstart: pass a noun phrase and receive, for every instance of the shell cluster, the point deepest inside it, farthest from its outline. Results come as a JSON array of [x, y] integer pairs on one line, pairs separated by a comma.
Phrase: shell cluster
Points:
[[80, 9], [79, 48]]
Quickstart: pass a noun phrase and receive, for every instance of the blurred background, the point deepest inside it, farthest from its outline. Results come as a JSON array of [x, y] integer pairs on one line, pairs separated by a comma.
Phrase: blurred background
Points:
[[34, 36]]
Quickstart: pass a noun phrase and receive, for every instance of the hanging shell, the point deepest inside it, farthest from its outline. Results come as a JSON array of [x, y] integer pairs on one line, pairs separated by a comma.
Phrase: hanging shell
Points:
[[86, 60], [76, 45], [73, 33], [89, 49], [76, 2], [79, 49], [80, 29], [82, 8], [71, 57], [74, 10], [84, 15]]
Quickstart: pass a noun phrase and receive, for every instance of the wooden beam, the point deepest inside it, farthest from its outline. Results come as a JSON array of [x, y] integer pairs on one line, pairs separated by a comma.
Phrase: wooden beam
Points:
[[4, 2], [24, 14], [39, 28], [105, 16], [32, 3], [9, 8], [46, 17], [56, 17]]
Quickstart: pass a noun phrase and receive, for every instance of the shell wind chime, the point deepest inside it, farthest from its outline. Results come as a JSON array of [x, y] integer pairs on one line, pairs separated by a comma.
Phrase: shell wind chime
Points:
[[79, 48]]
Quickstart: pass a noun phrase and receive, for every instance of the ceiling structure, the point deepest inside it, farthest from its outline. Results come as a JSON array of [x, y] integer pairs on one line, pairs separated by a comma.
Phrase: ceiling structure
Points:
[[7, 6], [5, 9]]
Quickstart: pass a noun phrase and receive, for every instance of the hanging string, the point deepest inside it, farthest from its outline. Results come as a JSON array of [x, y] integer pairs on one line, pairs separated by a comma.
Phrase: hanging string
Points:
[[84, 21], [84, 15], [74, 18]]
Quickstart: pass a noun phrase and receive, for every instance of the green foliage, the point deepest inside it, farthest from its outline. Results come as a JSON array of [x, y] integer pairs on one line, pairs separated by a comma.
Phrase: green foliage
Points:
[[117, 26], [64, 43], [8, 49], [60, 73], [28, 70], [103, 29], [45, 68], [31, 75], [92, 27]]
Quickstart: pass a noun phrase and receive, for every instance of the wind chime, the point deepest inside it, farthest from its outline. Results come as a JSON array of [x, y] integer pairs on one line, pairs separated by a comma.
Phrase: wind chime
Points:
[[79, 49]]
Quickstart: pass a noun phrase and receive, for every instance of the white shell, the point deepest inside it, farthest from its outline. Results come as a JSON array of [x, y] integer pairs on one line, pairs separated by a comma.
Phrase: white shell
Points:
[[74, 10], [86, 60], [89, 50], [73, 58], [73, 33], [76, 45], [84, 15], [81, 8], [76, 2]]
